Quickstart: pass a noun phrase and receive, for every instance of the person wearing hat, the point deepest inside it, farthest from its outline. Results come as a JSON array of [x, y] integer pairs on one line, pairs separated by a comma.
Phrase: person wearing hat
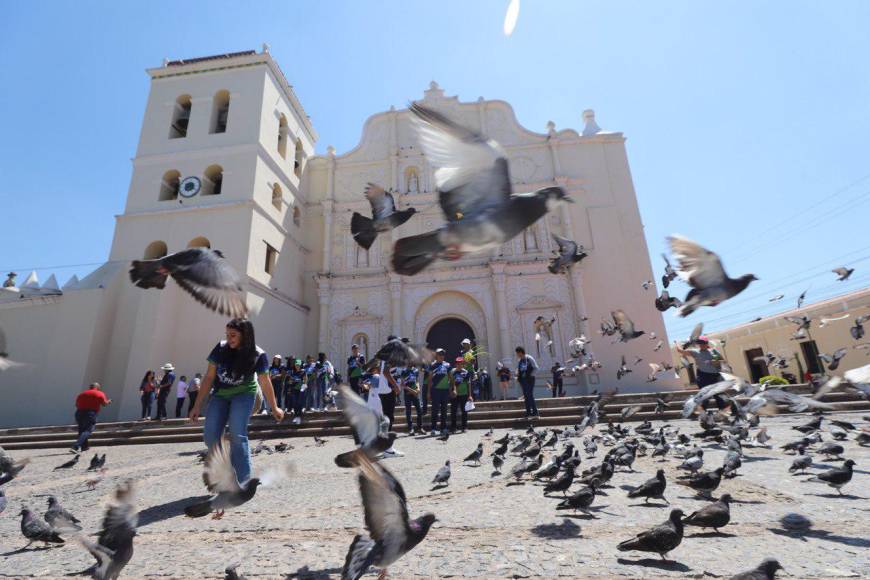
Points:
[[355, 365], [460, 393], [439, 389], [166, 382], [707, 363]]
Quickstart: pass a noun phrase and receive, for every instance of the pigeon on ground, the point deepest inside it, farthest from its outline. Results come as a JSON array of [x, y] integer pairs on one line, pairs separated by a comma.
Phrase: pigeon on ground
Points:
[[602, 473], [550, 470], [202, 272], [731, 464], [391, 533], [58, 518], [703, 271], [9, 468], [319, 442], [705, 483], [97, 462], [69, 464], [801, 462], [764, 571], [497, 462], [220, 479], [366, 425], [569, 253], [38, 531], [561, 483], [114, 546], [857, 330], [653, 488], [660, 539], [443, 475], [385, 216], [475, 455], [231, 574], [715, 515], [580, 499], [475, 195], [836, 477], [831, 449], [625, 326], [670, 273], [622, 370], [843, 273]]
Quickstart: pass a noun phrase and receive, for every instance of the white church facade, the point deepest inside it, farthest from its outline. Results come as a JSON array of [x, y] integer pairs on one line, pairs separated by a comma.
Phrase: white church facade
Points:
[[226, 160]]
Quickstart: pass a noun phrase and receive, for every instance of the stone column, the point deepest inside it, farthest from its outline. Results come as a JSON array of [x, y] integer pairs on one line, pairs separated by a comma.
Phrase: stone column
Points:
[[327, 235], [396, 303], [498, 283], [324, 297]]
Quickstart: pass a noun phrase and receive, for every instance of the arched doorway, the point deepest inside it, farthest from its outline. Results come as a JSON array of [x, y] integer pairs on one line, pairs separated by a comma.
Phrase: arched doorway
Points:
[[447, 333]]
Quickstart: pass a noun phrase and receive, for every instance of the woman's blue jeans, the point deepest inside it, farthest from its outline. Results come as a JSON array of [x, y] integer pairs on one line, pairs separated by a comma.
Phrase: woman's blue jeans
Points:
[[234, 413]]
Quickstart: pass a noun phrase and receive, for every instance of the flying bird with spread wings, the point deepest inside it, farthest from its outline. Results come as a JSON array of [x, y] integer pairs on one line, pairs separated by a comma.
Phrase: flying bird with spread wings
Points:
[[568, 254], [474, 192], [202, 272], [385, 216]]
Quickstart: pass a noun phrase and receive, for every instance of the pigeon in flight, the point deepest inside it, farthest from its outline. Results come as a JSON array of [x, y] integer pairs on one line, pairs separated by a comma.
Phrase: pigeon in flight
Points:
[[659, 346], [765, 403], [647, 284], [843, 273], [715, 515], [670, 273], [366, 424], [622, 370], [777, 298], [38, 531], [114, 546], [665, 301], [823, 322], [764, 571], [802, 297], [397, 352], [391, 533], [705, 393], [475, 195], [704, 272], [9, 468], [220, 479], [660, 539], [696, 334], [569, 253], [833, 360], [202, 272], [857, 330], [625, 326], [58, 518], [385, 216], [836, 477]]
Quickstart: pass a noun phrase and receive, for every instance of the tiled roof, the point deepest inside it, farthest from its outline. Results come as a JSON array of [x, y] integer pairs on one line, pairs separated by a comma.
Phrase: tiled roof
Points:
[[213, 57]]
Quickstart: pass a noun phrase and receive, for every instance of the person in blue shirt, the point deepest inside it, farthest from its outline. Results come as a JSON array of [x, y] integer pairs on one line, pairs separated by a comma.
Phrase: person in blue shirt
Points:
[[460, 393], [410, 382], [526, 367], [236, 368], [163, 390], [295, 381], [276, 373], [439, 389]]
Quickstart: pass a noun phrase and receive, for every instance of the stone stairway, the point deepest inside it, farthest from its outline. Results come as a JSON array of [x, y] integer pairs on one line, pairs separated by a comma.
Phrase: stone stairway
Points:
[[494, 414]]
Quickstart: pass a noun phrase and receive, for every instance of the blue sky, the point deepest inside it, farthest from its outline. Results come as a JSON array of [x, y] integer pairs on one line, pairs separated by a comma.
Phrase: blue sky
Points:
[[747, 122]]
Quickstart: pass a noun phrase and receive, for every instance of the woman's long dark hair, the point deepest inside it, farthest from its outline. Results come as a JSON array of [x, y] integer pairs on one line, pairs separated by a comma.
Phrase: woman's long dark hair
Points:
[[243, 359], [145, 378]]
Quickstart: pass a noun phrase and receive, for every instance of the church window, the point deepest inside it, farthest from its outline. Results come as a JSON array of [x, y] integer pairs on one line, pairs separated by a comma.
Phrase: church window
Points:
[[297, 216], [199, 242], [299, 159], [530, 240], [412, 180], [220, 112], [213, 179], [180, 117], [360, 339], [277, 196], [169, 185], [283, 132], [155, 250], [271, 258]]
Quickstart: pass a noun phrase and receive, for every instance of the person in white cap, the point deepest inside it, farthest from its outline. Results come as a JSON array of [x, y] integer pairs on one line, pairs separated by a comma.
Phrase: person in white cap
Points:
[[166, 382]]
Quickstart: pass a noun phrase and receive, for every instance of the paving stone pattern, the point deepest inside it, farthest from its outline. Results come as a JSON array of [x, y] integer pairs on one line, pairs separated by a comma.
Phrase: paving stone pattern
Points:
[[301, 528]]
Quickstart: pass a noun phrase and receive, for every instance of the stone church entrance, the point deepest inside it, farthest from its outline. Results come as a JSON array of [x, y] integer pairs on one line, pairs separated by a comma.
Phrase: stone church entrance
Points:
[[447, 334]]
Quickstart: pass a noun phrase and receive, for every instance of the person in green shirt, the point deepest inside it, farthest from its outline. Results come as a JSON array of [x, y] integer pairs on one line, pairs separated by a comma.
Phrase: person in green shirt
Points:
[[438, 385], [460, 393]]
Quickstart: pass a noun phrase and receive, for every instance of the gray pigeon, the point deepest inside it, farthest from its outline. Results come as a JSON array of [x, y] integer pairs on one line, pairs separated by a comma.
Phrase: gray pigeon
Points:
[[391, 533], [661, 539], [38, 531], [220, 479], [231, 574], [836, 477], [569, 253], [9, 468], [385, 216], [114, 546], [715, 515], [801, 298], [366, 425], [3, 501], [476, 454], [443, 475], [475, 195], [764, 571], [857, 330], [58, 518], [625, 326], [622, 370], [653, 488], [801, 462], [665, 301], [833, 360], [580, 499], [670, 273], [704, 272], [202, 272], [497, 462], [705, 483], [843, 273]]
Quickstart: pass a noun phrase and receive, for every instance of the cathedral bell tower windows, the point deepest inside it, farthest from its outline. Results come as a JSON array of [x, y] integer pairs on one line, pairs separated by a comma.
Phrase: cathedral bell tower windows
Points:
[[212, 181], [299, 159], [169, 185], [220, 112], [155, 250], [180, 117], [271, 258], [283, 132]]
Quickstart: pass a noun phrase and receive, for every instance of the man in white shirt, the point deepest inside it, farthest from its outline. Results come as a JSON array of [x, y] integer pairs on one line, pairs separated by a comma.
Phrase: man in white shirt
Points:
[[180, 395]]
